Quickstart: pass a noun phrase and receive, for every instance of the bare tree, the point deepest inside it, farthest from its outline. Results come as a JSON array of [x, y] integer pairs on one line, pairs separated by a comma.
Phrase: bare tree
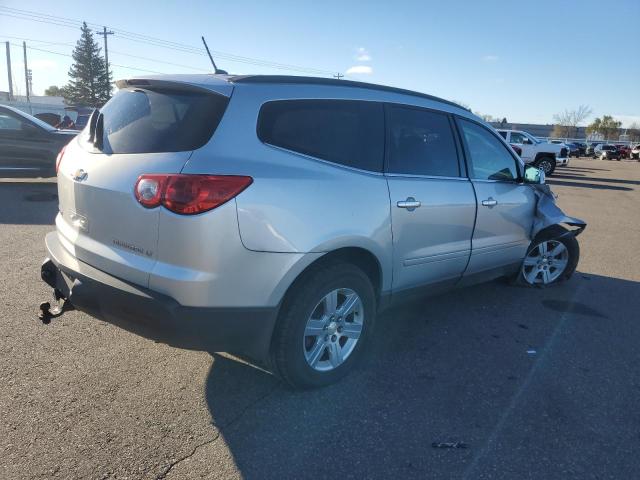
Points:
[[634, 131], [568, 121]]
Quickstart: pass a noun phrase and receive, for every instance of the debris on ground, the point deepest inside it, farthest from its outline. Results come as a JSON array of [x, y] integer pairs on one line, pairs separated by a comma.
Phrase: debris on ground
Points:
[[449, 445]]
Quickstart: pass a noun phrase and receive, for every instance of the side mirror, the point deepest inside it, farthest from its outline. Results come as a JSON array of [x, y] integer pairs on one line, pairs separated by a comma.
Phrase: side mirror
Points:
[[533, 175]]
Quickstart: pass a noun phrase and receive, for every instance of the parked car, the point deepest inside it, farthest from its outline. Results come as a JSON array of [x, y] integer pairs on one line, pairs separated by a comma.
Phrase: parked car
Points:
[[261, 222], [635, 152], [28, 145], [607, 152], [590, 150], [574, 149], [82, 115], [623, 150], [582, 148], [540, 154]]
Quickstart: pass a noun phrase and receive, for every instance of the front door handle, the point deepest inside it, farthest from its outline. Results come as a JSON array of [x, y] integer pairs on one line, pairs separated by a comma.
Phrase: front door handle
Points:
[[410, 204], [489, 202]]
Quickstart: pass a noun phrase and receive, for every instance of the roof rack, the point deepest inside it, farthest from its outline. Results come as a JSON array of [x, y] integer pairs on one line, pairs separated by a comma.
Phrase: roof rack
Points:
[[333, 81]]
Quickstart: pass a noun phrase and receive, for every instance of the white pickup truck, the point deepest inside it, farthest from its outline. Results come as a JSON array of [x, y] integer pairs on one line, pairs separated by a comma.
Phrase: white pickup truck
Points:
[[541, 154]]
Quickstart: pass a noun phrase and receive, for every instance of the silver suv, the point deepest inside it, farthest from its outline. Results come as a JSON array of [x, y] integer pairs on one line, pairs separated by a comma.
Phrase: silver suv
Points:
[[276, 216]]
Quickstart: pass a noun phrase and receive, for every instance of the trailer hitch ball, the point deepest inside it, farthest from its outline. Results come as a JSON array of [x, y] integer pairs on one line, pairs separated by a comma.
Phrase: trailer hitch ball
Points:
[[46, 312]]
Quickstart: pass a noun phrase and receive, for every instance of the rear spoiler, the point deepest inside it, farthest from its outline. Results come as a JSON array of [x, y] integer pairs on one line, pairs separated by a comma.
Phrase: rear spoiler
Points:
[[221, 87]]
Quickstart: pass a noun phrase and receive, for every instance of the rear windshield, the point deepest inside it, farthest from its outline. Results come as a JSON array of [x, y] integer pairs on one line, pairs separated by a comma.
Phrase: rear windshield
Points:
[[150, 121], [608, 147]]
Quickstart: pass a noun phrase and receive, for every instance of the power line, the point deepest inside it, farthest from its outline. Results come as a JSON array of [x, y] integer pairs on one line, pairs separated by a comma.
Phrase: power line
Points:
[[159, 61], [138, 57], [140, 38], [71, 56]]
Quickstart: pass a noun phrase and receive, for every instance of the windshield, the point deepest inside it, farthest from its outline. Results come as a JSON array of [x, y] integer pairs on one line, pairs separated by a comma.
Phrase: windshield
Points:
[[532, 138], [35, 120]]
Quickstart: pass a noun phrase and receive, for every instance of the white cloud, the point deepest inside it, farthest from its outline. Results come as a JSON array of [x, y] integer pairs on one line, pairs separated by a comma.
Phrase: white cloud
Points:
[[363, 55], [359, 70], [490, 58]]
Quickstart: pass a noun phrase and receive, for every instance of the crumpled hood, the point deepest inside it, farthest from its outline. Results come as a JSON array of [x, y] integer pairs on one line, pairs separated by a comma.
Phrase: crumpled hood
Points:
[[548, 213]]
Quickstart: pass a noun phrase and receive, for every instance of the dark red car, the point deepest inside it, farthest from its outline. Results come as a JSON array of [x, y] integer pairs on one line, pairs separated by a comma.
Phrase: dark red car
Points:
[[517, 149], [623, 150]]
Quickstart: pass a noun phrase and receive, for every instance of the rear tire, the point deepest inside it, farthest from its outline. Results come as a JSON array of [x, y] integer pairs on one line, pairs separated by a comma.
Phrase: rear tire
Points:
[[551, 258], [315, 343]]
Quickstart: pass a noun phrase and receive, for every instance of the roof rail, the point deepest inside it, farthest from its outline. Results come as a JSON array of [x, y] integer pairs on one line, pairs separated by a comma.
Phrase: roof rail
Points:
[[294, 79]]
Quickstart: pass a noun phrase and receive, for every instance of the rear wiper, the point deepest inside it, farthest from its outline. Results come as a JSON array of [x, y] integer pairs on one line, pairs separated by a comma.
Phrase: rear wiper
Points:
[[98, 141], [92, 124]]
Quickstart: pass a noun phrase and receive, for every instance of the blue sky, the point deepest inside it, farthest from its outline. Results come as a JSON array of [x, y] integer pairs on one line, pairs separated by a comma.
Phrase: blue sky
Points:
[[522, 60]]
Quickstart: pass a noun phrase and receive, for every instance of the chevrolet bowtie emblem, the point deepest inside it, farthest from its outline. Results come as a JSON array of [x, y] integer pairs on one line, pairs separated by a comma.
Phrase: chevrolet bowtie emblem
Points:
[[80, 175]]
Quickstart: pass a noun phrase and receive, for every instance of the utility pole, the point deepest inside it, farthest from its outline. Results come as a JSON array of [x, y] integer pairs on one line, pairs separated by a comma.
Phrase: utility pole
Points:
[[30, 81], [106, 32], [9, 71], [338, 76], [26, 70]]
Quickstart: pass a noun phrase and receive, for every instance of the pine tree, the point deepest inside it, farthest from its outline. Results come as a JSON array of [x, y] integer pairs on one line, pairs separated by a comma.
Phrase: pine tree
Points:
[[89, 83]]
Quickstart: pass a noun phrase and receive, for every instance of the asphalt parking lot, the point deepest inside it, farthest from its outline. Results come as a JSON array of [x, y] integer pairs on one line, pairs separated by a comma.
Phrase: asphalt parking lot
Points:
[[537, 383]]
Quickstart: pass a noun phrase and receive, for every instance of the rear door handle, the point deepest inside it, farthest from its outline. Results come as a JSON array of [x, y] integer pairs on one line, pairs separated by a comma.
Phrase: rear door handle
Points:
[[489, 202], [410, 204]]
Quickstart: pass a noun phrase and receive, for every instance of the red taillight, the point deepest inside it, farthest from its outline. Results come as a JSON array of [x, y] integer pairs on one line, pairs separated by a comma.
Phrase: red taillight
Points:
[[59, 158], [188, 194]]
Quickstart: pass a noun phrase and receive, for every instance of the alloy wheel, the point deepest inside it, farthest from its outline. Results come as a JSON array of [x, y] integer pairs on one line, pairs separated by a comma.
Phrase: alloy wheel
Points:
[[545, 165], [333, 329], [545, 262]]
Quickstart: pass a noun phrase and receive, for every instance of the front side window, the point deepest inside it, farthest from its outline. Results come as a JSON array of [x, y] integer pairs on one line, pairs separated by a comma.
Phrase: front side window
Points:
[[421, 143], [517, 137], [490, 159], [346, 132]]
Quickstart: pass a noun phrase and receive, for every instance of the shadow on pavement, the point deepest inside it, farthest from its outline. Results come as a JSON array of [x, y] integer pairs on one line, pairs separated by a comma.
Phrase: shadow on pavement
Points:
[[446, 369], [580, 176], [32, 202], [572, 167], [596, 186]]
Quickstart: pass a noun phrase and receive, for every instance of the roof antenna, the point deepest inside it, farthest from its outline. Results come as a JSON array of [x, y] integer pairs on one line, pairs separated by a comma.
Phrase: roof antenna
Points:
[[216, 70]]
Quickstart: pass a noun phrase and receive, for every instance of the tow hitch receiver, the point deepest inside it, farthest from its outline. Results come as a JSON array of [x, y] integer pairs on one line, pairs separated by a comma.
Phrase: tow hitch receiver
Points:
[[47, 312]]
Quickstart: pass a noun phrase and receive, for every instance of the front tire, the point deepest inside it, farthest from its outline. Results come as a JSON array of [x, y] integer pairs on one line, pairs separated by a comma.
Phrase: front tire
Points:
[[324, 326], [547, 164], [551, 258]]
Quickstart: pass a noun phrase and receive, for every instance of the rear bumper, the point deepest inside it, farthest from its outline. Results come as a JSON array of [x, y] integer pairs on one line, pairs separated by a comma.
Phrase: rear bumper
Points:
[[150, 314]]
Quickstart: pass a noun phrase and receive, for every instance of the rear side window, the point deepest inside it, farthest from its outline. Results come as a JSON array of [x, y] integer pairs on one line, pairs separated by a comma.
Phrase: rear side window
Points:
[[421, 143], [347, 132], [149, 121]]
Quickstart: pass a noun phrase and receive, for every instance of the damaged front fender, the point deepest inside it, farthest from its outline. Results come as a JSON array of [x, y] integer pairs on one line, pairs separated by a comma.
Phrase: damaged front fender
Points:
[[548, 213]]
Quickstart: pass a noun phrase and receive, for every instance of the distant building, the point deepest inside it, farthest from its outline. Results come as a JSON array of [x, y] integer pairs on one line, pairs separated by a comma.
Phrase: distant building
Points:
[[37, 103], [544, 131]]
